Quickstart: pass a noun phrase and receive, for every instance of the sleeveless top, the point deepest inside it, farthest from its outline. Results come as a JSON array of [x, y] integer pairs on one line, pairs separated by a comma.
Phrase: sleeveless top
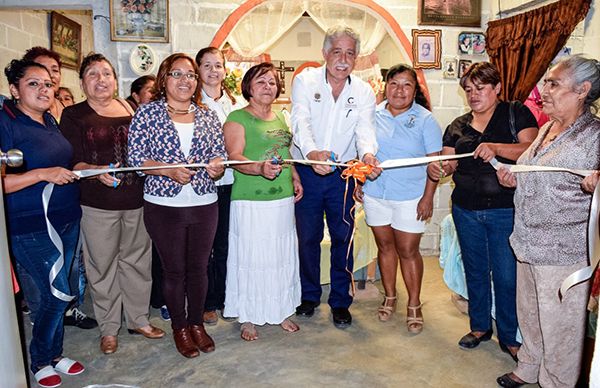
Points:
[[264, 140]]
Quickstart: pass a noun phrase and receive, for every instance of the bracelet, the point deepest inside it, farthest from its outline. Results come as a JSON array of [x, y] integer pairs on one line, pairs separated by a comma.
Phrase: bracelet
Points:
[[442, 168]]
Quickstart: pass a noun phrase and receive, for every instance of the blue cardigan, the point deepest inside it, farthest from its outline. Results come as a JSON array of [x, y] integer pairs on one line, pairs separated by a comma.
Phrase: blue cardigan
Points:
[[42, 147], [152, 136]]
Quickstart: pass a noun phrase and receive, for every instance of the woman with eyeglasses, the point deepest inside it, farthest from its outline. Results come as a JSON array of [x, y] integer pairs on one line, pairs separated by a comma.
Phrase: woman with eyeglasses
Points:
[[180, 204], [211, 65], [26, 124]]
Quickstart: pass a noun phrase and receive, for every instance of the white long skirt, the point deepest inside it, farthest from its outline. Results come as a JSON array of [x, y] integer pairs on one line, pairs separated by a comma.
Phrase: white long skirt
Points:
[[263, 281]]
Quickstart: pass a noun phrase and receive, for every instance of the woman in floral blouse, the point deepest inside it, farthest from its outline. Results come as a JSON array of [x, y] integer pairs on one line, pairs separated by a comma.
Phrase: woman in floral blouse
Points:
[[180, 209]]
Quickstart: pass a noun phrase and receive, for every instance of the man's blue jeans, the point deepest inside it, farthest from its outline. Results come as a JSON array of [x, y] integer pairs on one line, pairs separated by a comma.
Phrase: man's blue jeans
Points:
[[36, 253], [487, 255]]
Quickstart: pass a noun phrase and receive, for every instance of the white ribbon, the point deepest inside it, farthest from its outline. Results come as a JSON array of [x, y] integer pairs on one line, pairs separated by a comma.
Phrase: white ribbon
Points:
[[593, 248], [392, 163], [55, 238], [577, 277], [582, 274]]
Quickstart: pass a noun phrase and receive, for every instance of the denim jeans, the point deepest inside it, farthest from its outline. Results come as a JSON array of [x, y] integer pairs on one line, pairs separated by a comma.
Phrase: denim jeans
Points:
[[77, 281], [36, 253], [487, 255]]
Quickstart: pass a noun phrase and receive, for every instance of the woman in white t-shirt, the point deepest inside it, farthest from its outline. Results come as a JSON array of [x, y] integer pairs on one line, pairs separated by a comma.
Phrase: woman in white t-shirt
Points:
[[211, 66]]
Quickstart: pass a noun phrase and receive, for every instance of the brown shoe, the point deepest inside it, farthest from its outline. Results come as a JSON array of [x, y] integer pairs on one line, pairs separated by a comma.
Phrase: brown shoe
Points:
[[148, 332], [108, 344], [202, 339], [210, 318], [184, 343]]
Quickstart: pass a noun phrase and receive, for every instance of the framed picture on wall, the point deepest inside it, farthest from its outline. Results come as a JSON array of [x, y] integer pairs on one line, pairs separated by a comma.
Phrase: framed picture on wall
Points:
[[139, 20], [450, 12], [463, 65], [471, 43], [427, 49], [450, 68], [65, 39]]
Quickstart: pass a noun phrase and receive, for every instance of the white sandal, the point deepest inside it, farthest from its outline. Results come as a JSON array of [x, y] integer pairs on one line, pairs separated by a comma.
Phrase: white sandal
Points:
[[68, 367], [47, 377]]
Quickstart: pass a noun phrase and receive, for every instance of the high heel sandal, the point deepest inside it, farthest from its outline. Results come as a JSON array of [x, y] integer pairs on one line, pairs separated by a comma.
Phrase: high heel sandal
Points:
[[384, 311], [414, 324]]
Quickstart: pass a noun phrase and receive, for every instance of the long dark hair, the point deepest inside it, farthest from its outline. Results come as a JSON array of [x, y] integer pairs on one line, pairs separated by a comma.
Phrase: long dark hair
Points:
[[214, 50], [402, 68]]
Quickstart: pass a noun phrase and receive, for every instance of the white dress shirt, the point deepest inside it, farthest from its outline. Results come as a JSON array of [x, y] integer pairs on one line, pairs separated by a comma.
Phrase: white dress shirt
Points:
[[345, 126], [223, 106]]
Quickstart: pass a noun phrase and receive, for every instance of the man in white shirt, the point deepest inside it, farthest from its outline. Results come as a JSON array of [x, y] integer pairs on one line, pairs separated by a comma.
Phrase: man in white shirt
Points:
[[333, 117]]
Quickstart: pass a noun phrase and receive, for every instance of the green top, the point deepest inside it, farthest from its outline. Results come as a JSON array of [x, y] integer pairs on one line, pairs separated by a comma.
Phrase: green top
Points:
[[264, 140]]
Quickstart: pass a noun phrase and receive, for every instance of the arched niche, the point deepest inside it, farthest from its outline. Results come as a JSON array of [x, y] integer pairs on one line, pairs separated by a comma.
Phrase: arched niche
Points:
[[375, 10]]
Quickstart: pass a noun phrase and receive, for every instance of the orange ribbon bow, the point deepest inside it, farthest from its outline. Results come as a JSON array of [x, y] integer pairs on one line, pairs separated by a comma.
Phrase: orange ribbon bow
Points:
[[357, 170]]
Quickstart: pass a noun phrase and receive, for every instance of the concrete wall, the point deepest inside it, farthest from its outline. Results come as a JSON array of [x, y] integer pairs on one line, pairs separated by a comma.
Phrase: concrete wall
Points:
[[194, 23], [23, 29]]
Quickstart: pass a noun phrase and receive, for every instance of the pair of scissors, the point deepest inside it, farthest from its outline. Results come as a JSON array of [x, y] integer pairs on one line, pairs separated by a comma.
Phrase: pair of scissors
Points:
[[276, 160], [115, 182], [332, 158]]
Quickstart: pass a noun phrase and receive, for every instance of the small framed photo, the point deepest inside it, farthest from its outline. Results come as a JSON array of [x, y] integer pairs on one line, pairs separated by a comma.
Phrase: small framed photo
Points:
[[463, 65], [450, 68], [427, 49], [65, 39], [139, 20], [471, 43], [465, 13]]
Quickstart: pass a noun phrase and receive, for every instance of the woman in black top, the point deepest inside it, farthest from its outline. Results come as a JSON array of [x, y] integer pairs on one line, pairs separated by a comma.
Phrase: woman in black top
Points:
[[483, 211]]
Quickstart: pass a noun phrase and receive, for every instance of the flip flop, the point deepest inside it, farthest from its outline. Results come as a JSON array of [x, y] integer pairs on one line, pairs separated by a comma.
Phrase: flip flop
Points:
[[68, 367], [47, 377]]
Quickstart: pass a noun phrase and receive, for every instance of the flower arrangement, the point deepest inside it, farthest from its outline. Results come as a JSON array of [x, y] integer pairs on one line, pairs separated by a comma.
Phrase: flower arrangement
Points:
[[233, 80], [137, 6], [377, 84]]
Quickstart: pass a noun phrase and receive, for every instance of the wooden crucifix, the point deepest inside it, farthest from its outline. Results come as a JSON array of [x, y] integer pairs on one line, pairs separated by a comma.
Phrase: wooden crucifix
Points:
[[282, 70]]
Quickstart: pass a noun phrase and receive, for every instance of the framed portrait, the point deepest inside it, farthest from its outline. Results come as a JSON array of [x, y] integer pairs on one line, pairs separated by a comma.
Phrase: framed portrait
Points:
[[471, 43], [139, 20], [463, 65], [450, 12], [427, 49], [450, 68], [65, 39]]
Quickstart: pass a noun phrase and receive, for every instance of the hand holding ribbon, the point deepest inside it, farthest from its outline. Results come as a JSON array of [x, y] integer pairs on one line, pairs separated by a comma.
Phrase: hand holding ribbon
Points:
[[215, 168], [321, 156], [371, 160]]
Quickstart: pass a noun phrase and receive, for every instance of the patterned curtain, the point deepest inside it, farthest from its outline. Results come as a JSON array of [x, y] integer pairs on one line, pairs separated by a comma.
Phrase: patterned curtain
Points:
[[522, 46]]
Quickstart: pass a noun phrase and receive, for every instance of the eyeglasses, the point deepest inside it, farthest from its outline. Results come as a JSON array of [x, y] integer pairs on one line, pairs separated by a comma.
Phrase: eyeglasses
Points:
[[40, 85], [179, 74]]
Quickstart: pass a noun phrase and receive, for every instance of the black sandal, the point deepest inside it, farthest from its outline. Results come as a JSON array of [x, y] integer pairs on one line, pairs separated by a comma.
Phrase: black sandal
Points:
[[506, 381]]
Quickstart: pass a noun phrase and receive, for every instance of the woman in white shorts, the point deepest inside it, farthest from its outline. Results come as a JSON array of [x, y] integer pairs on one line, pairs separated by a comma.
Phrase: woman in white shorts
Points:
[[398, 203]]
